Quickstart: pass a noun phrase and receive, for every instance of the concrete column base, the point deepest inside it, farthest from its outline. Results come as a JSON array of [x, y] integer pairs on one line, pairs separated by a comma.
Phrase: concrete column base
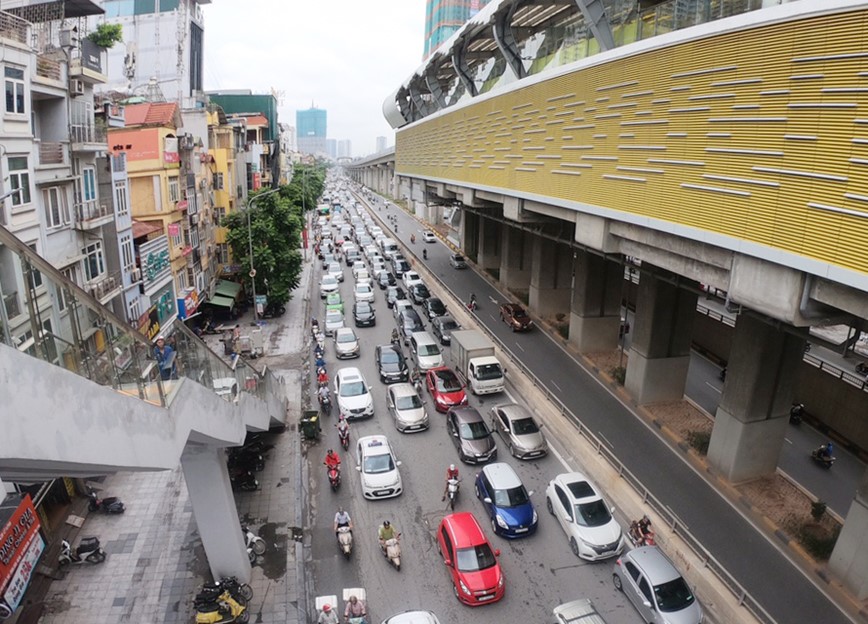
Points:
[[594, 333], [651, 380], [849, 560], [549, 301], [746, 450], [215, 511]]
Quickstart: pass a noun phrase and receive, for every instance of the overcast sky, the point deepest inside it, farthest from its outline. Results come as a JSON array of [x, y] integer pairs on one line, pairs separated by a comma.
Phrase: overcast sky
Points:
[[345, 56]]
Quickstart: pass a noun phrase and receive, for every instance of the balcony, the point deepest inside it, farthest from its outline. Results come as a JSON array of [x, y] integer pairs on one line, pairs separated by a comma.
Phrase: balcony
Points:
[[91, 214], [87, 63], [13, 28], [49, 68], [105, 287], [88, 137], [52, 153]]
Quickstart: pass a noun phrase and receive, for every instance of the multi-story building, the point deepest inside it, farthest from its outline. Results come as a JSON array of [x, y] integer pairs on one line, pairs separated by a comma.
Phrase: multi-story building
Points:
[[444, 17], [312, 130], [381, 144], [332, 148], [229, 170], [345, 148]]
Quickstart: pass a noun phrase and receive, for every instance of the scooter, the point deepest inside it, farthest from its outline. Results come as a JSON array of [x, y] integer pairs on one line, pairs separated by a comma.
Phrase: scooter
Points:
[[255, 545], [452, 485], [344, 434], [796, 412], [392, 551], [345, 541], [211, 592], [252, 462], [111, 505], [639, 537], [88, 551], [424, 254], [825, 461], [334, 474], [243, 480], [222, 610], [325, 404]]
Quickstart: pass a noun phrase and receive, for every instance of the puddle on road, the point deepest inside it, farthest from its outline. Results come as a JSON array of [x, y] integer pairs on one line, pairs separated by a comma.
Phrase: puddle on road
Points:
[[273, 562]]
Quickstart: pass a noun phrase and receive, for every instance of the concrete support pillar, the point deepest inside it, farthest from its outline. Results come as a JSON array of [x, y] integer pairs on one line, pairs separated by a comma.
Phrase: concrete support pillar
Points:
[[551, 277], [468, 233], [849, 560], [660, 348], [752, 417], [595, 313], [516, 259], [488, 251], [215, 511]]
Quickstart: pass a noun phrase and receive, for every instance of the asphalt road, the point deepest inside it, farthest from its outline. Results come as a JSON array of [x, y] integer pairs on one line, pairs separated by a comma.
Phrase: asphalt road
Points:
[[758, 564]]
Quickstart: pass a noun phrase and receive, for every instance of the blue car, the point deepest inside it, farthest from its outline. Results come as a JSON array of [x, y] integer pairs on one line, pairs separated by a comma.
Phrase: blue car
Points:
[[506, 501]]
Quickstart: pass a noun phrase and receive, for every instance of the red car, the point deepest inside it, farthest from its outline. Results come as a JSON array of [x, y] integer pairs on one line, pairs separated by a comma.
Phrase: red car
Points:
[[445, 388], [516, 317], [476, 575]]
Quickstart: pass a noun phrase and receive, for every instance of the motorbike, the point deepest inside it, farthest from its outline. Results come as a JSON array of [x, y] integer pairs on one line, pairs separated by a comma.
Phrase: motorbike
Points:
[[252, 462], [821, 458], [210, 592], [87, 551], [722, 375], [325, 404], [243, 480], [796, 412], [221, 610], [110, 505], [344, 435], [424, 254], [273, 310], [392, 551], [472, 305], [640, 537], [255, 544], [862, 368], [452, 491], [334, 474], [413, 238], [345, 541]]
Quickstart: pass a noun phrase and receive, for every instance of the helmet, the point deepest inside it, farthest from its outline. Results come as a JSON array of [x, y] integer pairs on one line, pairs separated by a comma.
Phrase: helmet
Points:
[[330, 452], [326, 608], [452, 467], [386, 523]]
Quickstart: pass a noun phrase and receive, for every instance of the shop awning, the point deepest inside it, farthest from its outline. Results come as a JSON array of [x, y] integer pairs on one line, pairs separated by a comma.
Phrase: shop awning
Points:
[[222, 302], [225, 288]]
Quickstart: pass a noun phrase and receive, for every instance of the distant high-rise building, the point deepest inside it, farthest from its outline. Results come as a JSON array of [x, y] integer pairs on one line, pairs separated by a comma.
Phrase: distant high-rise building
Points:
[[381, 144], [332, 148], [312, 128], [345, 148], [444, 17]]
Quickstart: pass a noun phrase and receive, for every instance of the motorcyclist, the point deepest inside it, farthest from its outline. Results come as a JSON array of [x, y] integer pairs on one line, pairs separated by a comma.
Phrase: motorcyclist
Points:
[[451, 473], [343, 426], [386, 532], [355, 608], [333, 460], [328, 616], [322, 377], [796, 412], [825, 451], [342, 519], [644, 530], [472, 304], [424, 254], [396, 338], [412, 238], [323, 394]]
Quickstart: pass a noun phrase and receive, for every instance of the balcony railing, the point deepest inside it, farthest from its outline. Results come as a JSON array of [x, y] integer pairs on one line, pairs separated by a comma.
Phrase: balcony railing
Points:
[[87, 133], [51, 153], [10, 302], [48, 68], [91, 213], [12, 27], [105, 285]]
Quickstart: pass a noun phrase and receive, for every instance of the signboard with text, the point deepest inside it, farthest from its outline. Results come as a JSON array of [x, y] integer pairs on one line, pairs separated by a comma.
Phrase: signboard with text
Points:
[[15, 540], [155, 260]]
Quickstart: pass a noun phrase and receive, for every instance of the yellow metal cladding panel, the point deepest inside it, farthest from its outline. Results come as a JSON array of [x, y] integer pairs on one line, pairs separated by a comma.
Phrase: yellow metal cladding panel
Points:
[[760, 134]]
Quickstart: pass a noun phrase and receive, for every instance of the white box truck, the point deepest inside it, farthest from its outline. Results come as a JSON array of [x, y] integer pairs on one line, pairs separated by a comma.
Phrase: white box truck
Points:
[[473, 353]]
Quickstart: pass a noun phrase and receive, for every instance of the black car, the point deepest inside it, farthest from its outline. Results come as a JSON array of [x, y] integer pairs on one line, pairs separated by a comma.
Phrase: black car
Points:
[[419, 293], [442, 328], [391, 364], [363, 314], [393, 293], [399, 266], [409, 322], [385, 279], [433, 307]]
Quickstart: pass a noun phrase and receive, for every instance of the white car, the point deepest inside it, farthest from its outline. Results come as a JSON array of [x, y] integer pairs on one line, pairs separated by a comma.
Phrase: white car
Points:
[[358, 265], [334, 320], [409, 278], [346, 343], [584, 516], [406, 408], [335, 270], [428, 236], [328, 284], [413, 617], [378, 467], [363, 292], [399, 306], [353, 395], [364, 277]]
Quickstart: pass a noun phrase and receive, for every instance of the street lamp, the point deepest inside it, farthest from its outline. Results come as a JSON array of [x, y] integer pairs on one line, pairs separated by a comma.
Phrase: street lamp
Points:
[[250, 245]]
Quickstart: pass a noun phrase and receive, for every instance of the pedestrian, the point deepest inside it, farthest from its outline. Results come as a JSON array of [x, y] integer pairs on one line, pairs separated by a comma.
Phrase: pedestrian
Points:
[[165, 356]]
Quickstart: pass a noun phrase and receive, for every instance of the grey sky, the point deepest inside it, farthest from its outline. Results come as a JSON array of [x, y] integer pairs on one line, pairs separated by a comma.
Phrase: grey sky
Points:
[[345, 56]]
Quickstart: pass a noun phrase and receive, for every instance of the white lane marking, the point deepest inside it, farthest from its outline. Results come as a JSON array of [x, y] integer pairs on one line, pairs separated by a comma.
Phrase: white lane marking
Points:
[[519, 346], [552, 382], [718, 390], [492, 299], [788, 441], [560, 458]]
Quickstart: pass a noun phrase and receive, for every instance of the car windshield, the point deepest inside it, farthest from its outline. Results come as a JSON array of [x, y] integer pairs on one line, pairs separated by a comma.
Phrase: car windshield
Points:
[[333, 298], [458, 258], [518, 313], [334, 316], [447, 381], [378, 463], [410, 401], [673, 595], [353, 388], [363, 307], [421, 290], [473, 430], [362, 289], [475, 558], [448, 325], [344, 337], [524, 426], [592, 514], [512, 497], [429, 349], [328, 280], [488, 371]]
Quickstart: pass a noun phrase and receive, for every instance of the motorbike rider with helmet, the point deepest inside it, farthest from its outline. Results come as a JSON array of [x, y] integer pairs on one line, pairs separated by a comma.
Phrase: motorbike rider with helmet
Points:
[[451, 473], [333, 460], [328, 616], [825, 451], [385, 533], [342, 519], [355, 609]]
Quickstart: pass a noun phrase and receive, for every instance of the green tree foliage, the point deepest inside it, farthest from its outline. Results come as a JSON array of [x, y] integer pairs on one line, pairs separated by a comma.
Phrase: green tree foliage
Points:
[[276, 223]]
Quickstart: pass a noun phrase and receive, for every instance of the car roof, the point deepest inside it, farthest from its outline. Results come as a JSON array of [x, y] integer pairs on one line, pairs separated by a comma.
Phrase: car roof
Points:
[[514, 411], [334, 313], [440, 370], [464, 529], [422, 337], [501, 476], [578, 485], [375, 445], [350, 373], [346, 330], [413, 617], [467, 414], [402, 389], [653, 563]]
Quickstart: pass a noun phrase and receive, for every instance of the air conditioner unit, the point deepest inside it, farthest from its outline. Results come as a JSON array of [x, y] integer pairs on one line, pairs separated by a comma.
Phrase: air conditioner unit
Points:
[[76, 87], [136, 275]]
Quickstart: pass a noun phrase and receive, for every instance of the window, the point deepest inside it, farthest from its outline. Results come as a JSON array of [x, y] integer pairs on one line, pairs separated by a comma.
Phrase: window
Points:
[[56, 209], [63, 294], [174, 190], [19, 178], [182, 281], [133, 310], [94, 263], [127, 255], [15, 90], [176, 238], [88, 184], [35, 275], [222, 253], [219, 215], [121, 198], [217, 182]]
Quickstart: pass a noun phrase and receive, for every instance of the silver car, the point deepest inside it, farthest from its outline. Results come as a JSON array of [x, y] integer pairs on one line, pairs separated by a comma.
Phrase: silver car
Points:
[[655, 587], [346, 343], [406, 408], [519, 430], [334, 320]]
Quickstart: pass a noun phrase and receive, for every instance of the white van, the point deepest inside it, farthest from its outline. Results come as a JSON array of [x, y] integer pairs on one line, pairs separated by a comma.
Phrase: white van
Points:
[[426, 351], [389, 247]]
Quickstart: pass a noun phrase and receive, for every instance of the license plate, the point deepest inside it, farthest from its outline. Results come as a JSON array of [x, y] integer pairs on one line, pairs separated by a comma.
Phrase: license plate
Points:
[[382, 492], [484, 598], [524, 530]]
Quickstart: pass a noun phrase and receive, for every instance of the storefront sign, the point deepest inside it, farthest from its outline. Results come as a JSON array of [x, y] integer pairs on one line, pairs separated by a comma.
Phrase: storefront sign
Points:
[[188, 303], [175, 228], [24, 570], [170, 150], [149, 323], [15, 537], [166, 304], [155, 260]]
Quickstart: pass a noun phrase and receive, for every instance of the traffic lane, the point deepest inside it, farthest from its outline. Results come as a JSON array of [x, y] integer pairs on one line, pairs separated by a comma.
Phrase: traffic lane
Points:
[[672, 481]]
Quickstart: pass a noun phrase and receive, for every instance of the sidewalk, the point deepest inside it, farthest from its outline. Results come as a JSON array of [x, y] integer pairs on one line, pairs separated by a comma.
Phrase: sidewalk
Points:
[[156, 561]]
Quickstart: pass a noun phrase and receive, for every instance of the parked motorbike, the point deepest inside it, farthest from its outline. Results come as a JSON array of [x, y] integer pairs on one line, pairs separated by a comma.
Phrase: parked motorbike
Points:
[[273, 310], [334, 474], [110, 505], [255, 545], [221, 610], [796, 412], [243, 480], [252, 462], [210, 592], [722, 375], [452, 491], [641, 533], [862, 368], [345, 541], [821, 457], [87, 551], [392, 551]]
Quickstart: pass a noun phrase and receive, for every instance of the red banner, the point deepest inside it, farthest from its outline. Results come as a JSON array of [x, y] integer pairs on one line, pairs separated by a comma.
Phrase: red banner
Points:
[[15, 537]]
